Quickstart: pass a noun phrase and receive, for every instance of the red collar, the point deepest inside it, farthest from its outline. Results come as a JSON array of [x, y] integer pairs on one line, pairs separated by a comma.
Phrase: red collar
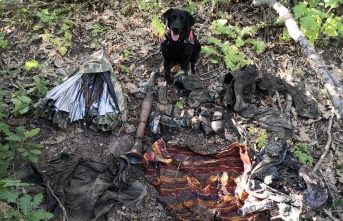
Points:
[[190, 38]]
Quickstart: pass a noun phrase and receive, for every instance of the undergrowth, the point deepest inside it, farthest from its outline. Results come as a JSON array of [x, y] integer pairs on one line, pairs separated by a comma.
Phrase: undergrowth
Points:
[[228, 41], [257, 136], [16, 143], [318, 20], [303, 153]]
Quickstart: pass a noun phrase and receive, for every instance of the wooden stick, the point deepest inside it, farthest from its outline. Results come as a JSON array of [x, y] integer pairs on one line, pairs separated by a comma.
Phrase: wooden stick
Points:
[[328, 142], [65, 217]]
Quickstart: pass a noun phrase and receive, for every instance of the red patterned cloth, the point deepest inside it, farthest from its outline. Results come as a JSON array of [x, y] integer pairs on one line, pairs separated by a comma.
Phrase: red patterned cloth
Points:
[[196, 186]]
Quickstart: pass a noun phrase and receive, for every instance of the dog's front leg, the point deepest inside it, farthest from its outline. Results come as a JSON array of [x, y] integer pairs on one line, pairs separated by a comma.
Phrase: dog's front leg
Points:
[[185, 66], [166, 65]]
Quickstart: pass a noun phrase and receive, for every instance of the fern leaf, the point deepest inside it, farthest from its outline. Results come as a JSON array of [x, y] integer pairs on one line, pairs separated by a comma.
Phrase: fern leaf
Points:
[[37, 200], [13, 138], [8, 194], [39, 215], [32, 157], [14, 214], [209, 50], [215, 41], [10, 182], [32, 133], [25, 204]]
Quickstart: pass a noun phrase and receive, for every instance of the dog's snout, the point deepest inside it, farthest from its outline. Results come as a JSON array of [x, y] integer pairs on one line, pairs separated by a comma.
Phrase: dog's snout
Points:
[[176, 29]]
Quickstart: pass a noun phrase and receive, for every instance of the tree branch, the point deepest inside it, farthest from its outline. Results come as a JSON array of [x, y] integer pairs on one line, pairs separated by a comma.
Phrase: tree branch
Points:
[[328, 142], [316, 62]]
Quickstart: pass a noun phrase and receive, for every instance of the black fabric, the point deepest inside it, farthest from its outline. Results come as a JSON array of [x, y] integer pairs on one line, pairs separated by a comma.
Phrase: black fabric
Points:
[[86, 189], [282, 186], [107, 78], [249, 83]]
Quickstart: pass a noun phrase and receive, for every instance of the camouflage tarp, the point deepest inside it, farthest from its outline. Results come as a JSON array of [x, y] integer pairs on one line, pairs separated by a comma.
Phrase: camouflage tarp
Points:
[[91, 94]]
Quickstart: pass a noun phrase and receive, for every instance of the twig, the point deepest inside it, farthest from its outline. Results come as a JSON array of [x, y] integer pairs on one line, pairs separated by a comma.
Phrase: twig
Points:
[[199, 75], [328, 142], [208, 18], [65, 217], [279, 101]]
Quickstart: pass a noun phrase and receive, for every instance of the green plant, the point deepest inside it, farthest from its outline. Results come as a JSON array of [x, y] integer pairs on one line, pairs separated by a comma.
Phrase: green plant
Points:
[[314, 20], [13, 73], [302, 152], [31, 64], [46, 17], [62, 38], [124, 68], [191, 7], [179, 104], [260, 135], [39, 87], [157, 26], [21, 103], [19, 140], [96, 29], [3, 42], [14, 141], [62, 43], [227, 41], [28, 207], [338, 202], [148, 4]]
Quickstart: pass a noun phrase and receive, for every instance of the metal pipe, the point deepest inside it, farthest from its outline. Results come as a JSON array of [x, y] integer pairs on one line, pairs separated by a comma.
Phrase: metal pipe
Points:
[[136, 153]]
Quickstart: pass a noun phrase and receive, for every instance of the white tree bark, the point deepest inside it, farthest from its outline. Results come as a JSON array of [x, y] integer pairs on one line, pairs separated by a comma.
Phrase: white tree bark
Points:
[[331, 83]]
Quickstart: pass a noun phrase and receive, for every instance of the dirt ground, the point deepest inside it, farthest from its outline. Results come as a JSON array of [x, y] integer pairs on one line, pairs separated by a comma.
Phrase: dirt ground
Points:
[[133, 32]]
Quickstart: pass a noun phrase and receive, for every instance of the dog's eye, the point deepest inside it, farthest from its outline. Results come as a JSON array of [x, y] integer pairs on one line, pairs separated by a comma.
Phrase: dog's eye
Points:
[[182, 18]]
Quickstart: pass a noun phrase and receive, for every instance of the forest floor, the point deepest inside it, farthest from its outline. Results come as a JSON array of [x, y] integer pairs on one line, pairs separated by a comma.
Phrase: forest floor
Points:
[[127, 36]]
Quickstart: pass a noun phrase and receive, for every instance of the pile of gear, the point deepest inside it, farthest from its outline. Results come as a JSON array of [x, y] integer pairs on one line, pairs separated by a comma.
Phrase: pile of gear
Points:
[[201, 112], [240, 89], [196, 184]]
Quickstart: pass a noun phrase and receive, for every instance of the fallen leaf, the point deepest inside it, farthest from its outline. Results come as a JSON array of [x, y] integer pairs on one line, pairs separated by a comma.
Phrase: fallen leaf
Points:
[[304, 136]]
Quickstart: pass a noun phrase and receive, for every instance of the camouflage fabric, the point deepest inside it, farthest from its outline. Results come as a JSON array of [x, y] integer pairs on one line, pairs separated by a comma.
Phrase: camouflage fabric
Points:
[[67, 103], [200, 96], [190, 83]]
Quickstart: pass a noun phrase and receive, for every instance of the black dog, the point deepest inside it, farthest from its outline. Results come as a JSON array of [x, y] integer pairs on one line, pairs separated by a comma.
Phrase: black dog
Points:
[[179, 44]]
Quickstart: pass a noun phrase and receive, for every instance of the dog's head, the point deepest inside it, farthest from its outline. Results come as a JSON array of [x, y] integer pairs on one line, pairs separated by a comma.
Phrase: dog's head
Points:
[[179, 23]]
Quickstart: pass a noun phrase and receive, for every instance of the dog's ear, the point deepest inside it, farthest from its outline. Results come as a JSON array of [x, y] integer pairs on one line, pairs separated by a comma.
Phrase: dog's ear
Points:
[[165, 16], [190, 20]]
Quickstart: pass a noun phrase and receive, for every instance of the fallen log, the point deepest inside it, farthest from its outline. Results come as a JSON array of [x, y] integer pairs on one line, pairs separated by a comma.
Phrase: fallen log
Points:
[[331, 83]]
